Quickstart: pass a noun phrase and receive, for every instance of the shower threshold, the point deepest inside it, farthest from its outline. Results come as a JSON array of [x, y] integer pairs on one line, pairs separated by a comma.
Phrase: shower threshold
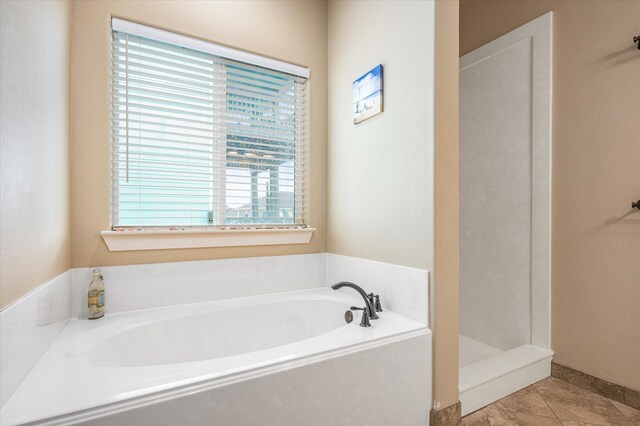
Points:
[[488, 374]]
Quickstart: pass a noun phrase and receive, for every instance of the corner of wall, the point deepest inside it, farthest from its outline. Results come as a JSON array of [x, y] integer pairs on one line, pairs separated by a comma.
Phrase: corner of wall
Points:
[[446, 253], [386, 217], [35, 242]]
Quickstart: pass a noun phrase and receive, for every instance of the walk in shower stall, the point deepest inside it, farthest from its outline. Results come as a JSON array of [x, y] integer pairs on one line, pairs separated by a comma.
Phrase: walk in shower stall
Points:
[[505, 187]]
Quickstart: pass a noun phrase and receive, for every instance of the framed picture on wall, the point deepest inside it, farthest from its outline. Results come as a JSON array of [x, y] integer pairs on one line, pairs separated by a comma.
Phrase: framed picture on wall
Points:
[[367, 95]]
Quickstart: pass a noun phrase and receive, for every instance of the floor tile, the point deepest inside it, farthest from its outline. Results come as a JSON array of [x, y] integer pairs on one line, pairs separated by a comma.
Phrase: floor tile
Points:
[[630, 413], [478, 418], [500, 417], [554, 402], [527, 401], [572, 403]]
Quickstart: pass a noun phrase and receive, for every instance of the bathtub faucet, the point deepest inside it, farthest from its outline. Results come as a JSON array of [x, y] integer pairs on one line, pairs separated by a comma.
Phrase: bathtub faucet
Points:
[[370, 306]]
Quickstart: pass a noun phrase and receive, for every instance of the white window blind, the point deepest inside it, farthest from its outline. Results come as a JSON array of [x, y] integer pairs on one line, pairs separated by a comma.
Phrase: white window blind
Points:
[[202, 140]]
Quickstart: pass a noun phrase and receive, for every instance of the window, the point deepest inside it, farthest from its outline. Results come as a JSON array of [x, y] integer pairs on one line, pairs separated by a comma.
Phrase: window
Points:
[[202, 139]]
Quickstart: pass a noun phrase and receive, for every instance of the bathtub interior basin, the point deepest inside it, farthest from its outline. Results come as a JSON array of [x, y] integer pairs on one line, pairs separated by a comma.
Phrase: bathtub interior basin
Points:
[[218, 333]]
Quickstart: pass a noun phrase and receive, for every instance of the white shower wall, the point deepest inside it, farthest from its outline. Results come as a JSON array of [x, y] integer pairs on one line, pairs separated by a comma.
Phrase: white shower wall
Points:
[[495, 198]]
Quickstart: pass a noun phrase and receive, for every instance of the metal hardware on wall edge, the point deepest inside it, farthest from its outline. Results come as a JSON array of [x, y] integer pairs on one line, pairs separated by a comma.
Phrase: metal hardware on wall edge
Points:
[[635, 205], [636, 39]]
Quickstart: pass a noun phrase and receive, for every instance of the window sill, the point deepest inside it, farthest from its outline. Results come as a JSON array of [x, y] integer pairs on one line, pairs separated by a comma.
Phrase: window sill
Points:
[[199, 238]]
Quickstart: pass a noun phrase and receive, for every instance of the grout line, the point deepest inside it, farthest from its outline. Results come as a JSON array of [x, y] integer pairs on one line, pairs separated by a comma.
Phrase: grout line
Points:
[[618, 410], [548, 406]]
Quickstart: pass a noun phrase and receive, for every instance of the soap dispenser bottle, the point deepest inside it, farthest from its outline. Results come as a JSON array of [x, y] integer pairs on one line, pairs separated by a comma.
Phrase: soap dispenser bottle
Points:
[[96, 296]]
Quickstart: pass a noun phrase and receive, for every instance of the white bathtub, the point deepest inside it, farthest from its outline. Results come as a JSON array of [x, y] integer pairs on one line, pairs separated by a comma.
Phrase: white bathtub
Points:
[[124, 361]]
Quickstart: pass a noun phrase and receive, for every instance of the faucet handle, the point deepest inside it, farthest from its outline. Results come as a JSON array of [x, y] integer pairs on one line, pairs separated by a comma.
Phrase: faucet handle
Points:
[[377, 304], [364, 321], [375, 301]]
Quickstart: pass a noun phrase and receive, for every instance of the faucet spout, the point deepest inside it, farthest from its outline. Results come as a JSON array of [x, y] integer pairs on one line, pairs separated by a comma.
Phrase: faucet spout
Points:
[[365, 297]]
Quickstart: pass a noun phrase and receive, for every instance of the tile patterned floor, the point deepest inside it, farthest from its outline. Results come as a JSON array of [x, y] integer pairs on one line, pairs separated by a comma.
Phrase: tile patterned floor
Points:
[[554, 402]]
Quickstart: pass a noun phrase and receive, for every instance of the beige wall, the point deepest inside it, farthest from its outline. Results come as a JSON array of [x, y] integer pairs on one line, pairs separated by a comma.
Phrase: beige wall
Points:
[[380, 171], [446, 253], [292, 31], [596, 153], [34, 195]]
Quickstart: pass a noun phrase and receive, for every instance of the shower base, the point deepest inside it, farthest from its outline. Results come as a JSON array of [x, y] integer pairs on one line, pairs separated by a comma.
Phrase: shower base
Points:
[[472, 351], [488, 374]]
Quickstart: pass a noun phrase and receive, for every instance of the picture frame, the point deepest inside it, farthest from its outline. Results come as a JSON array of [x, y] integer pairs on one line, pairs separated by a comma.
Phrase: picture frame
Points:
[[368, 95]]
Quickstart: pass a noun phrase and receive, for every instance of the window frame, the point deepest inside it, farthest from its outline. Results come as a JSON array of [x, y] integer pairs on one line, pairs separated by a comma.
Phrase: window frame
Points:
[[146, 237]]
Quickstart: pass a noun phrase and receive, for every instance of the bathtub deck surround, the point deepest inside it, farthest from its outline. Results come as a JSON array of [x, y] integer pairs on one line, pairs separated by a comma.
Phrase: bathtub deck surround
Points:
[[28, 327], [175, 300], [149, 352], [145, 286], [402, 289], [328, 398]]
